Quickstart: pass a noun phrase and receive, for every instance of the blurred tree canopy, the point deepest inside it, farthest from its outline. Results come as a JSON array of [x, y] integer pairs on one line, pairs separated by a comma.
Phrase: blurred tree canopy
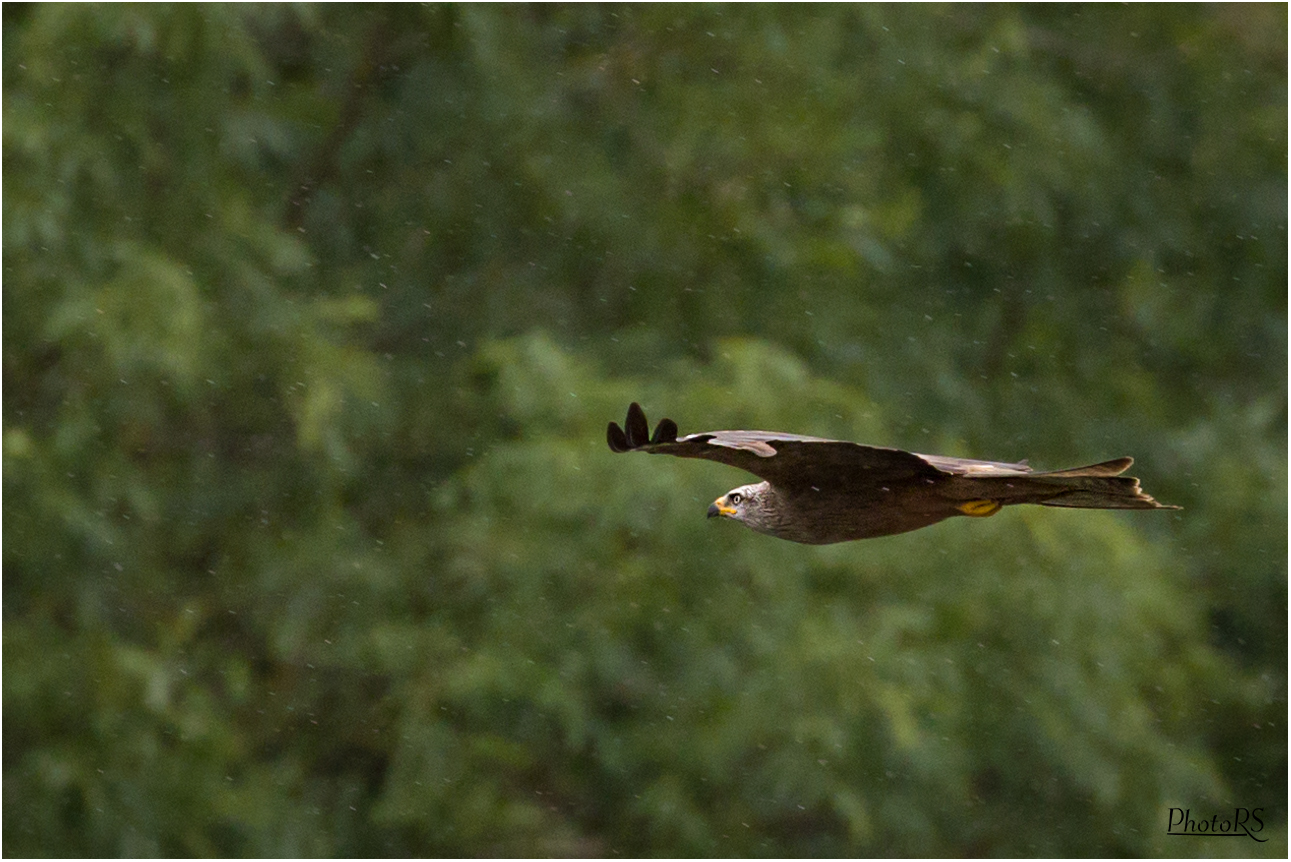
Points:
[[313, 320]]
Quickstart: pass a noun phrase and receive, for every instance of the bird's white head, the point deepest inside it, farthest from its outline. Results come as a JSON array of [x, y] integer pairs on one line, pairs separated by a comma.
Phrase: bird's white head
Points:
[[737, 504]]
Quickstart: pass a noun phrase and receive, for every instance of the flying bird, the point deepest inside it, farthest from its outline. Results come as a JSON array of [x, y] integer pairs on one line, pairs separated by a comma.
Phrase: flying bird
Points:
[[818, 491]]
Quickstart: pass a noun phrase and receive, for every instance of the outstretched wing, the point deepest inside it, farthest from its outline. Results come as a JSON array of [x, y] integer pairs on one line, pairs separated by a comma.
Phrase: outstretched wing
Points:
[[790, 461], [976, 469]]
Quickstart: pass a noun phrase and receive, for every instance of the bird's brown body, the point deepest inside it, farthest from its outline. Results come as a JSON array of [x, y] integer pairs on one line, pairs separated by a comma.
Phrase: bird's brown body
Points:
[[814, 518], [818, 491]]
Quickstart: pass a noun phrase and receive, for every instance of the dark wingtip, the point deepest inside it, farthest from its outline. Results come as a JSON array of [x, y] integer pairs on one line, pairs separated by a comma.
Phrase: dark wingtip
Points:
[[635, 432], [617, 439], [638, 430], [665, 432]]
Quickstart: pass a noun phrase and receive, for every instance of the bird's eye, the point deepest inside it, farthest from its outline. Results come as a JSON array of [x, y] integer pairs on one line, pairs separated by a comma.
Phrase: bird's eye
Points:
[[735, 499]]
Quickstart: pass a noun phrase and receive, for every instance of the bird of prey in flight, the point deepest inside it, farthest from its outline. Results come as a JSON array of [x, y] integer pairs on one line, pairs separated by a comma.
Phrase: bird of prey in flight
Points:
[[818, 491]]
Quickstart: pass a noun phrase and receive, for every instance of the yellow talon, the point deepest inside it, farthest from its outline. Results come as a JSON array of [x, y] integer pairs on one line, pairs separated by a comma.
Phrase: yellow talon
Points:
[[980, 508]]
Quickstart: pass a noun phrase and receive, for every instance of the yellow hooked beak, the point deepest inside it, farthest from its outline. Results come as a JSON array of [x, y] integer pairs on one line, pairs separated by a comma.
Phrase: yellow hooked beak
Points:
[[719, 507]]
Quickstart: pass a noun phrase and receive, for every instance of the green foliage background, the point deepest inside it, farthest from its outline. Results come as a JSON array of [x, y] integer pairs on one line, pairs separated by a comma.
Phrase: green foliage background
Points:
[[313, 321]]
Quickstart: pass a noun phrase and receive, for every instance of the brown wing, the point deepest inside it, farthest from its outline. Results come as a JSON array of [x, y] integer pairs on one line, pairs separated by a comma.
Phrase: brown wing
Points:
[[975, 469], [789, 461]]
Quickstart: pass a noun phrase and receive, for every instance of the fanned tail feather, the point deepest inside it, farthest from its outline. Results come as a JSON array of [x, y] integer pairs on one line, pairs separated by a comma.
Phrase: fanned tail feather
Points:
[[1097, 486], [1114, 467], [1121, 496]]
